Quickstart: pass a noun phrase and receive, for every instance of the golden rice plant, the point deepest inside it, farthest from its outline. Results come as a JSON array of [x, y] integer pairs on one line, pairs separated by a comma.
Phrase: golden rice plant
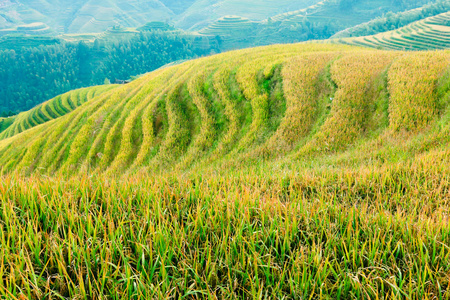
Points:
[[412, 86]]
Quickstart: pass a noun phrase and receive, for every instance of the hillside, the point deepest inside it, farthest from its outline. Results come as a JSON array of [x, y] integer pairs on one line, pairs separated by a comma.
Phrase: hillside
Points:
[[89, 16], [204, 12], [82, 16], [318, 21], [346, 13], [50, 110], [306, 171], [427, 34], [393, 21], [209, 111], [86, 16]]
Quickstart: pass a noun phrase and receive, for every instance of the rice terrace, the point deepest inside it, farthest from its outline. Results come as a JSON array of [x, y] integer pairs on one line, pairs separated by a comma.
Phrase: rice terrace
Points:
[[307, 170]]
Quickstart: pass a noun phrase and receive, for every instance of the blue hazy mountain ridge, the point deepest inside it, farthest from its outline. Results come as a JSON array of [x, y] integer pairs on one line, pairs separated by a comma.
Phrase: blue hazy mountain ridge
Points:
[[83, 16]]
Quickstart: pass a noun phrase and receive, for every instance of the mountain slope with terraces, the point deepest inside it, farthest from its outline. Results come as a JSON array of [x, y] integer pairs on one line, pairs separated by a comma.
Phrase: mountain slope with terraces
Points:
[[50, 110], [316, 171], [427, 34], [298, 102]]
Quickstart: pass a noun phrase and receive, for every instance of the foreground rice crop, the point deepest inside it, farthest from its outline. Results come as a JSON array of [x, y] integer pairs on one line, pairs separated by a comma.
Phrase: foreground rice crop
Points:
[[366, 234], [291, 171]]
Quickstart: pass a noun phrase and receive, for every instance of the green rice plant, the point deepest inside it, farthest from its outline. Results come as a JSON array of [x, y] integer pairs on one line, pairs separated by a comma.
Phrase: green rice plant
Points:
[[148, 117], [5, 123], [131, 117], [90, 128], [205, 138]]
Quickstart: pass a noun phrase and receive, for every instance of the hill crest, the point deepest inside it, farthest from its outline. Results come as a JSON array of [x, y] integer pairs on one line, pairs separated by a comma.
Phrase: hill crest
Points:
[[305, 101]]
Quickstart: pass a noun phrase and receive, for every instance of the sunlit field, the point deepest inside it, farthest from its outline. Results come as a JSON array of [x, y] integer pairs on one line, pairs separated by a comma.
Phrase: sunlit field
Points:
[[285, 172]]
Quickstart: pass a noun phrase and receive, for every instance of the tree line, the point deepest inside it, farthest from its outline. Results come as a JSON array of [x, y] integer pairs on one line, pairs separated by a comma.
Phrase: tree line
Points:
[[30, 76], [392, 21]]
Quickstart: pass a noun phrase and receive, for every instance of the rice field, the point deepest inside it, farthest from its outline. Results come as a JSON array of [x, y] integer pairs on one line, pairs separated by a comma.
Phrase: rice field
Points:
[[428, 34], [228, 26], [305, 171], [50, 110], [37, 28]]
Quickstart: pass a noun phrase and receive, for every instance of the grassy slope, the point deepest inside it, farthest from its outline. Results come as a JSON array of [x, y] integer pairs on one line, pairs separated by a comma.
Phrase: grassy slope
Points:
[[47, 111], [146, 124], [290, 171], [427, 34]]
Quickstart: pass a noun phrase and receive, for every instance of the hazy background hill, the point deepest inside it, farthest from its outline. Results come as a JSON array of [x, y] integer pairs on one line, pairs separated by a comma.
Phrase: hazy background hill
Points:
[[81, 16], [65, 16], [72, 16], [203, 12]]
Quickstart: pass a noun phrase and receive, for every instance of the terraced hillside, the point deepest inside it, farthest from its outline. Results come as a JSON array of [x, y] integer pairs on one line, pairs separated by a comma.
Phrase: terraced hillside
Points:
[[204, 12], [393, 21], [354, 13], [50, 110], [81, 16], [291, 101], [313, 171], [227, 25], [97, 16], [37, 28], [234, 30], [318, 21], [87, 16], [427, 34]]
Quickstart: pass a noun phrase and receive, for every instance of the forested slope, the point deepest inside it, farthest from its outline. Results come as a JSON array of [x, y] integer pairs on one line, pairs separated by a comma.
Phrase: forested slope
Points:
[[32, 75]]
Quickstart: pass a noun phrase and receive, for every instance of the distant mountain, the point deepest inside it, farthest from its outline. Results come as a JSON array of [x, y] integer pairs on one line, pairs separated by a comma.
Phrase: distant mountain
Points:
[[82, 16], [79, 16], [88, 16], [392, 21], [178, 6], [204, 12]]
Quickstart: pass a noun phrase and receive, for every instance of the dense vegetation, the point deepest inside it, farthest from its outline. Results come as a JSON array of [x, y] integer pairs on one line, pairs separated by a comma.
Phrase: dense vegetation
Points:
[[30, 76], [291, 171], [392, 21]]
